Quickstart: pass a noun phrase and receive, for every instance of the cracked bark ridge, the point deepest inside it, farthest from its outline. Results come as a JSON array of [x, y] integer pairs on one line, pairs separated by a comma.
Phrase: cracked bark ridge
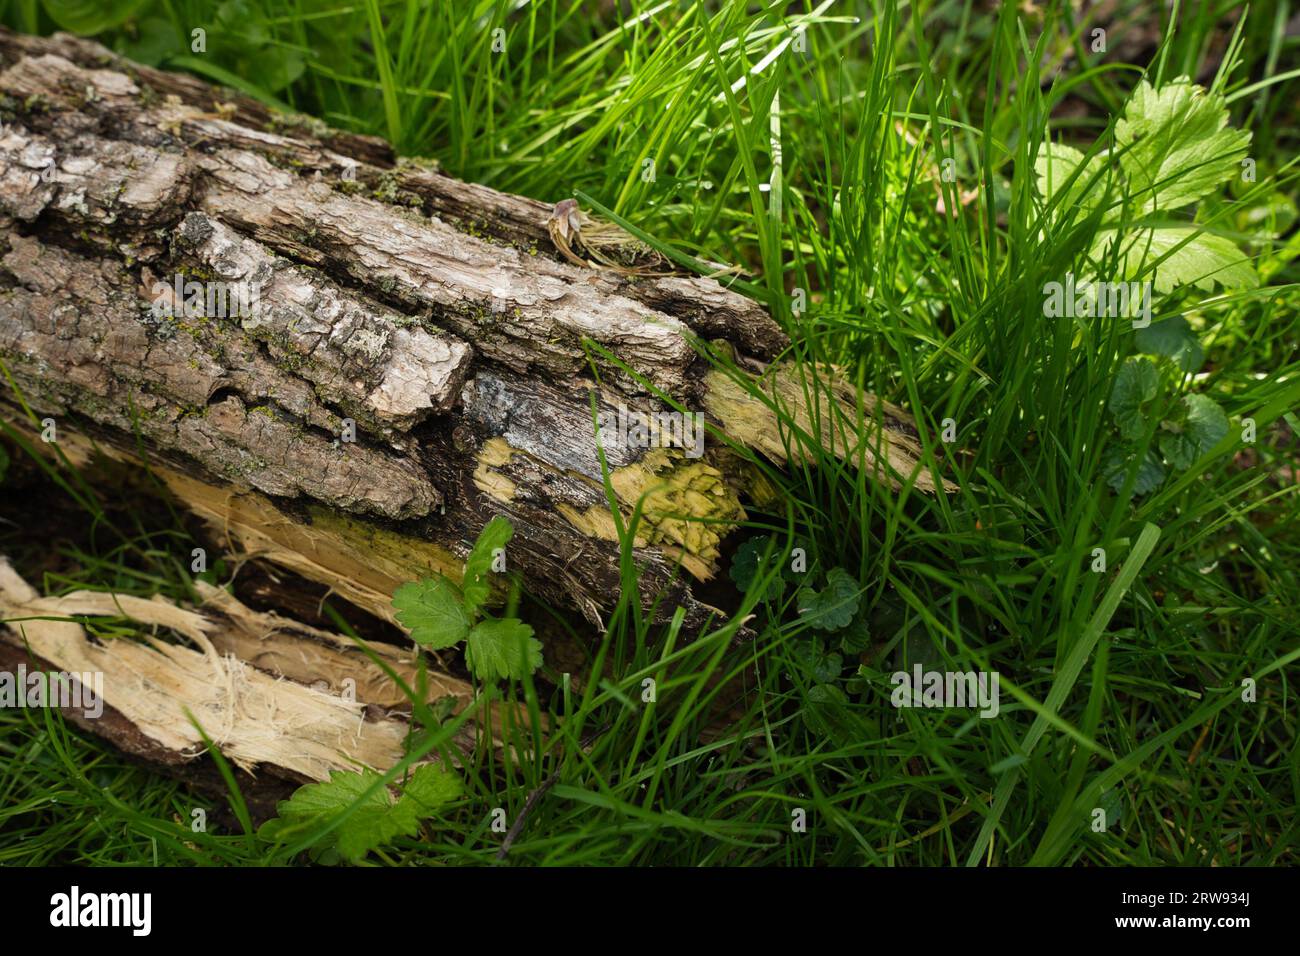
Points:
[[78, 340], [374, 363], [60, 71], [520, 309]]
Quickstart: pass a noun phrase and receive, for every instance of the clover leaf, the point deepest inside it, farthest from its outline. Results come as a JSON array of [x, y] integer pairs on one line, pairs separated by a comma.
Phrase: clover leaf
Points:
[[833, 607]]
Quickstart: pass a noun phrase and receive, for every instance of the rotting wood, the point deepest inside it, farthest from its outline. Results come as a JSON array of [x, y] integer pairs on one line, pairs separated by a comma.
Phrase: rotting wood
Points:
[[151, 686], [433, 317], [286, 704]]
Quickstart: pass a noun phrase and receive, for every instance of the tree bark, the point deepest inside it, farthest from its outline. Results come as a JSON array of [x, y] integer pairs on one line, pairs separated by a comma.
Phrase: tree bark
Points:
[[422, 356]]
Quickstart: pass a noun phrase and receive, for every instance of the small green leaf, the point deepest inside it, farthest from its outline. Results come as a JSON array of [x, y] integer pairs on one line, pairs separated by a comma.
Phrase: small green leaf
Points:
[[281, 69], [1118, 460], [822, 665], [236, 18], [823, 708], [1183, 255], [378, 819], [856, 638], [1174, 339], [89, 17], [432, 611], [495, 534], [1112, 802], [502, 647], [1054, 166], [155, 39], [1135, 385], [1270, 217], [827, 712], [753, 558], [1206, 422], [1203, 427], [427, 789], [443, 708], [833, 606], [744, 566], [1175, 145]]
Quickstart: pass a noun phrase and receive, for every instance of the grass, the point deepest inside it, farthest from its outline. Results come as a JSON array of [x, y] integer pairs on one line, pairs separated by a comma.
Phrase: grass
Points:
[[818, 171]]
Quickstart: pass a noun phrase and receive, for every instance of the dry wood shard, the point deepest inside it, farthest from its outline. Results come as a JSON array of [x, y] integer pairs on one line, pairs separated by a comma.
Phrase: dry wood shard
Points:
[[254, 718]]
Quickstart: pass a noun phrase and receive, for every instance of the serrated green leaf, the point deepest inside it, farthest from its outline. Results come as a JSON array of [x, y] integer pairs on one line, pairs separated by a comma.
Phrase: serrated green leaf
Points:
[[833, 606], [1172, 338], [1174, 144], [427, 789], [478, 566], [1179, 255], [502, 647], [378, 819], [432, 610], [316, 803], [1135, 385], [1203, 427]]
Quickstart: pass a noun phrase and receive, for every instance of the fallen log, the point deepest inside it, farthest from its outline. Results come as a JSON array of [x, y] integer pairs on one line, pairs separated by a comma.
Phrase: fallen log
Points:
[[347, 364], [401, 379]]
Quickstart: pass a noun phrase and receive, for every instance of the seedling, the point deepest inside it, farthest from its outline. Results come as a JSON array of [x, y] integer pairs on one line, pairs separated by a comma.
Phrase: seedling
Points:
[[440, 615]]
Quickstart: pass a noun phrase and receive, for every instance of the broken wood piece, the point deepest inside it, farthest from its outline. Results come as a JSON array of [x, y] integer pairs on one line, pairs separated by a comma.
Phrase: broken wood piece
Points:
[[258, 721]]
